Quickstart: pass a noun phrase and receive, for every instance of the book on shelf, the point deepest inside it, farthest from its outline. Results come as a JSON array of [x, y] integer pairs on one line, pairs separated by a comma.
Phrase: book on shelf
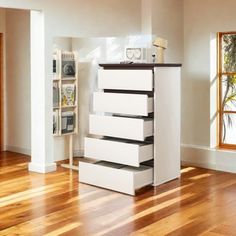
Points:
[[68, 65], [55, 66], [56, 122], [67, 122], [55, 94], [68, 94]]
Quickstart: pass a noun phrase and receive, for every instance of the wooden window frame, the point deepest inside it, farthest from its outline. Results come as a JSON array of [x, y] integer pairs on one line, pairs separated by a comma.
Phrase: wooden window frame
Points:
[[221, 112]]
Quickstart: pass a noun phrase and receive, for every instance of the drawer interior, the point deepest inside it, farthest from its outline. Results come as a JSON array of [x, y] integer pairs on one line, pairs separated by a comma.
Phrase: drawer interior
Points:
[[148, 93], [109, 164], [140, 143], [131, 116], [124, 167], [135, 169]]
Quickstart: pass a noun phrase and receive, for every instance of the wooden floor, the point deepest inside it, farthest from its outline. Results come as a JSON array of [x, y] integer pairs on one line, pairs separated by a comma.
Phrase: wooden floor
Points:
[[203, 202]]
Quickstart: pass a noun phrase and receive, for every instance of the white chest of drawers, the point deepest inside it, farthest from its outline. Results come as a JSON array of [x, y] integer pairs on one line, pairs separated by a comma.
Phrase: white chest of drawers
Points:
[[138, 113]]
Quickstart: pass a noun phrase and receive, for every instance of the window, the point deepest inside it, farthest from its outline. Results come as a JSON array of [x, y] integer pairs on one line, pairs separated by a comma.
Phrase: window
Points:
[[227, 89]]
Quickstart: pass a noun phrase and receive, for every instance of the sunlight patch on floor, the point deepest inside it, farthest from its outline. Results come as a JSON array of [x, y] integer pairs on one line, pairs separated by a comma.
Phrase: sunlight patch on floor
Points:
[[187, 169], [146, 212], [197, 177], [64, 229]]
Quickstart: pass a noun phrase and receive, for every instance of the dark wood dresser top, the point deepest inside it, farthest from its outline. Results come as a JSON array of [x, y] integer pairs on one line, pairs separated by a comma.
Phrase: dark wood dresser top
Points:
[[137, 65]]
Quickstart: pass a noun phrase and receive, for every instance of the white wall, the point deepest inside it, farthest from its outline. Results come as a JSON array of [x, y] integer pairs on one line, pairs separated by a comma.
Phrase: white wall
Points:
[[75, 18], [202, 20], [78, 18], [18, 81], [62, 43], [167, 23], [91, 52], [164, 18], [146, 15]]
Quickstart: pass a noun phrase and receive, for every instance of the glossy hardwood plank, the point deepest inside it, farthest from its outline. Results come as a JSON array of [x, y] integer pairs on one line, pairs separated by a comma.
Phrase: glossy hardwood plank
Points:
[[202, 202]]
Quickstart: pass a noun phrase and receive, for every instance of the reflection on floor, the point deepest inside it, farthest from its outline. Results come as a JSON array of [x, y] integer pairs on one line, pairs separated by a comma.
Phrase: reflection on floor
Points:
[[201, 202]]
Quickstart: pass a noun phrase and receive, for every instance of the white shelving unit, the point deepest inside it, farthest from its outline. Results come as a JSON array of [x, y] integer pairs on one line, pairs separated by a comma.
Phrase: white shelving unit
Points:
[[140, 128], [61, 78]]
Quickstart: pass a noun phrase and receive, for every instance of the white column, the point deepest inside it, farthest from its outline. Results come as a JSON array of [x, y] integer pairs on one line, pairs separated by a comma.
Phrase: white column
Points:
[[213, 92], [41, 104]]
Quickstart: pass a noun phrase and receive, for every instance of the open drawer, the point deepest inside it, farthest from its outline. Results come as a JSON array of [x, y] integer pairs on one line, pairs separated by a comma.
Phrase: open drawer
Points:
[[123, 103], [115, 177], [119, 151], [121, 127], [139, 80]]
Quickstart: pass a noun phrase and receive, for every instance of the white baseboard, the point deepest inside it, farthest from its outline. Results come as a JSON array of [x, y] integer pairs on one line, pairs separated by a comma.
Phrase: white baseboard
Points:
[[210, 158], [21, 150], [78, 153], [65, 156], [25, 151], [36, 167]]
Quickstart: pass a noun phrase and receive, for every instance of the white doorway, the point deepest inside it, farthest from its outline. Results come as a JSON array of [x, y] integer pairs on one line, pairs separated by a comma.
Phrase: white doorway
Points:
[[24, 87]]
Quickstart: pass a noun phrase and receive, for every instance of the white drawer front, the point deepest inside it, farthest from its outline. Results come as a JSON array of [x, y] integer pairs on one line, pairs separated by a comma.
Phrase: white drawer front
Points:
[[121, 152], [120, 103], [115, 177], [140, 80], [121, 127]]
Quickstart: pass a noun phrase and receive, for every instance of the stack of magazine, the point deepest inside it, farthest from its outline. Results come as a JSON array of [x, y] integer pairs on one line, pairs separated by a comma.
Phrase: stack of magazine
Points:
[[67, 65], [56, 122], [67, 122], [55, 94], [68, 95], [55, 66]]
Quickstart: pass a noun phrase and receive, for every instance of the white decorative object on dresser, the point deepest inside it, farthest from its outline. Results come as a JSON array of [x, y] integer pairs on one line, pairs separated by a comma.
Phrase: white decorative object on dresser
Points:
[[135, 129]]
